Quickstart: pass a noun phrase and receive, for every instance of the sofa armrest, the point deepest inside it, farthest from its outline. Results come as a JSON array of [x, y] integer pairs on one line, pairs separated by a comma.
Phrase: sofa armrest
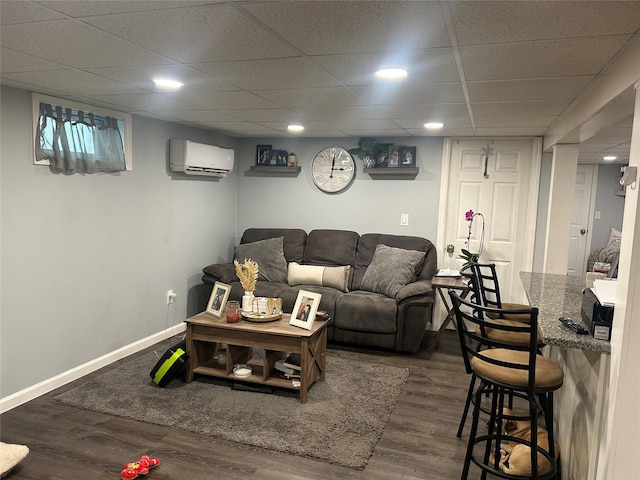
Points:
[[223, 272], [420, 287]]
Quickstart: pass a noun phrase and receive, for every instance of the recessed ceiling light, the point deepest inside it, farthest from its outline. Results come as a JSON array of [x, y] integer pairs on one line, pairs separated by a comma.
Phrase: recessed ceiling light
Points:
[[391, 73], [295, 128], [609, 158], [167, 84], [433, 125]]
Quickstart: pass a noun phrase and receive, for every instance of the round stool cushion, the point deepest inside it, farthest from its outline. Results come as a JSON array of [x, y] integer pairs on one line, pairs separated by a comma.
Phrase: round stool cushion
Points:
[[521, 317], [504, 336], [549, 375]]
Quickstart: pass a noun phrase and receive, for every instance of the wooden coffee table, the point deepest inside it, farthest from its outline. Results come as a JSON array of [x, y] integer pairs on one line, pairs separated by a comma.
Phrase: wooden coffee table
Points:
[[205, 333]]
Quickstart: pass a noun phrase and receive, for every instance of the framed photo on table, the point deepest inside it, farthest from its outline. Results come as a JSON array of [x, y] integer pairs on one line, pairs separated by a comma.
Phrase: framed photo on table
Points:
[[218, 299], [305, 308]]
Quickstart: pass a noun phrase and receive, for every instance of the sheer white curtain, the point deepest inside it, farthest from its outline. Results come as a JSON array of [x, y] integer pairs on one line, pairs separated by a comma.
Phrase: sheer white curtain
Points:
[[78, 142]]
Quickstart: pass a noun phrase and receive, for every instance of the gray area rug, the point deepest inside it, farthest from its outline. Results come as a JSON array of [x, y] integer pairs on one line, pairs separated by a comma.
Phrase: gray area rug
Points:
[[342, 421]]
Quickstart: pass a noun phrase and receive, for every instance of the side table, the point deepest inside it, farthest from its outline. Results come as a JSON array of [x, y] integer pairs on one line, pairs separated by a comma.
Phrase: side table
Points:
[[442, 285]]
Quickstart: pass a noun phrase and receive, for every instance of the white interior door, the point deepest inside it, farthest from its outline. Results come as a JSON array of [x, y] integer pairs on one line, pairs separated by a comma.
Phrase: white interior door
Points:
[[500, 188], [580, 232]]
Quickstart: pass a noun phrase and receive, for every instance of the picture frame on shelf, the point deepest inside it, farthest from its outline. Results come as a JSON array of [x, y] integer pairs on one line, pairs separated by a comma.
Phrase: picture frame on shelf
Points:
[[383, 157], [263, 155], [393, 160], [407, 156], [305, 308], [278, 158], [218, 299]]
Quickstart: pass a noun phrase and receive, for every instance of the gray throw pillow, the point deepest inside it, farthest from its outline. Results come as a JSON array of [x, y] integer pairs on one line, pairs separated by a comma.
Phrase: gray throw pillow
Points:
[[269, 255], [391, 269]]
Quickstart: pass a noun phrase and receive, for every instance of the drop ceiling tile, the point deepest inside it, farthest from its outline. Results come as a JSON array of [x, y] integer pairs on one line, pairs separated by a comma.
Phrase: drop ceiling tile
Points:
[[73, 81], [142, 77], [529, 89], [373, 131], [84, 46], [197, 34], [508, 122], [445, 132], [239, 100], [332, 114], [448, 122], [427, 112], [549, 58], [270, 114], [328, 27], [195, 116], [12, 61], [346, 124], [147, 101], [500, 22], [510, 132], [270, 74], [75, 8], [432, 93], [507, 109], [238, 127], [422, 65], [25, 12], [312, 97]]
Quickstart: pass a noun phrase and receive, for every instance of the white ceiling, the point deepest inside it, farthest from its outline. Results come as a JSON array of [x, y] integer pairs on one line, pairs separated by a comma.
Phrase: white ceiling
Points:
[[250, 68]]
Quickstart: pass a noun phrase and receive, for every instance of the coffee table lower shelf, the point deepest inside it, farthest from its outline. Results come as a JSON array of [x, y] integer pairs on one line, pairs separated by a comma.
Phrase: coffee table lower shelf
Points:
[[206, 333]]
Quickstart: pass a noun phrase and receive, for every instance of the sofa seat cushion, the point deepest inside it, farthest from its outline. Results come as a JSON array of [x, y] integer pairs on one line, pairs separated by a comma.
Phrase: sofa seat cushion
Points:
[[335, 277], [269, 255], [391, 269], [366, 312]]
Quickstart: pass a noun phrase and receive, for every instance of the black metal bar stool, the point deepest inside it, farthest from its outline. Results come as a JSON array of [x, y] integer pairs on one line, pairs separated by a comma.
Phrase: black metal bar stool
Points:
[[504, 368]]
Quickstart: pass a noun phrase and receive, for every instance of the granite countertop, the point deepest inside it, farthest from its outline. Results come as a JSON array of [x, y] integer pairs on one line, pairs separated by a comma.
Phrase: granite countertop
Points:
[[559, 296]]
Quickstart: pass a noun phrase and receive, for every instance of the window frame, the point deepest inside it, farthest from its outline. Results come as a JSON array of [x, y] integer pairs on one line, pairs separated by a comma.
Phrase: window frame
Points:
[[37, 98]]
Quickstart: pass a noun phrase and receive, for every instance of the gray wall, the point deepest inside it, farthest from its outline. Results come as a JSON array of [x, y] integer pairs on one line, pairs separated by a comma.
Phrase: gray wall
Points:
[[86, 260], [368, 205], [610, 206]]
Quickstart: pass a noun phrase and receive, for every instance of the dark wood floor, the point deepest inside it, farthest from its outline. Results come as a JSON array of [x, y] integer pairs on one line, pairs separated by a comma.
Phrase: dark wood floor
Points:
[[419, 441]]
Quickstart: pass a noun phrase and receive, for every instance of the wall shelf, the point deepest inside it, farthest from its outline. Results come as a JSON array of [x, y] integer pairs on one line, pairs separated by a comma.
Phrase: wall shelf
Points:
[[256, 171], [392, 172]]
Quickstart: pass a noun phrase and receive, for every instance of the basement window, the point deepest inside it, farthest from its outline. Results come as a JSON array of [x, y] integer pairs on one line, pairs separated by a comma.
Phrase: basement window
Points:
[[72, 137]]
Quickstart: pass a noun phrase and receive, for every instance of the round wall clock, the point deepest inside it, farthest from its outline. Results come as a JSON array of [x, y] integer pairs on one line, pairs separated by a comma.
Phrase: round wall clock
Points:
[[333, 169]]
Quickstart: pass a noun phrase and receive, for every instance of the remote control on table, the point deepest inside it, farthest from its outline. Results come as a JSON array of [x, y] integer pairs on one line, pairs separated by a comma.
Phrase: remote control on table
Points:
[[576, 327]]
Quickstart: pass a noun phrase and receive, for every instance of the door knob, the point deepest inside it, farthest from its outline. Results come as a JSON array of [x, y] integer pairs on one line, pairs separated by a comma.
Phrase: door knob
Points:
[[450, 248], [583, 231]]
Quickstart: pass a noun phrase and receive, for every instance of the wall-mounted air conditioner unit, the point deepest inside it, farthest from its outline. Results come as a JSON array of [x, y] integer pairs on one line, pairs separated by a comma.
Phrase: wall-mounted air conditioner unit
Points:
[[199, 159]]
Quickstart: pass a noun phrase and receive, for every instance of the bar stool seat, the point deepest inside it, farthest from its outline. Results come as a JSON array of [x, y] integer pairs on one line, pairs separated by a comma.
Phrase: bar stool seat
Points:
[[518, 338], [548, 373]]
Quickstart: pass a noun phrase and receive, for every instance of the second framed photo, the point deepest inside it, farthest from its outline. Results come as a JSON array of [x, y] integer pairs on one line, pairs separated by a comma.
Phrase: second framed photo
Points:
[[218, 299], [305, 308], [407, 156]]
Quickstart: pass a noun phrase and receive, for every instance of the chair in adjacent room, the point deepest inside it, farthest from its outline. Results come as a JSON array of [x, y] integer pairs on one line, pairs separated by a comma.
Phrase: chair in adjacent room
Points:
[[505, 368]]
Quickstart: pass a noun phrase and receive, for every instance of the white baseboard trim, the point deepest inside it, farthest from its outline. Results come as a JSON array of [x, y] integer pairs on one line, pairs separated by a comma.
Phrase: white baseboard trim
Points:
[[30, 393]]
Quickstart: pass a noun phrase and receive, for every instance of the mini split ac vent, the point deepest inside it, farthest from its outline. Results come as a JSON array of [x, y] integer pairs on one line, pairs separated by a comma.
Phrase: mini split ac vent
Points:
[[199, 159]]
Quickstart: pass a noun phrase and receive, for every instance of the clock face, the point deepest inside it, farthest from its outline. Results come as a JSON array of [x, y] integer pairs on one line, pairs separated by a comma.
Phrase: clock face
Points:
[[333, 169]]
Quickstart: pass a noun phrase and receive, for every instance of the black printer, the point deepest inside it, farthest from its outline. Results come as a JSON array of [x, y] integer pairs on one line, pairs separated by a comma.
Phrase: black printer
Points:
[[597, 318]]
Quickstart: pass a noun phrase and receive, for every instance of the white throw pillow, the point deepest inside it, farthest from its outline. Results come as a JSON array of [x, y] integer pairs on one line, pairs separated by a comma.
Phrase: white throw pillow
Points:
[[615, 238], [335, 277]]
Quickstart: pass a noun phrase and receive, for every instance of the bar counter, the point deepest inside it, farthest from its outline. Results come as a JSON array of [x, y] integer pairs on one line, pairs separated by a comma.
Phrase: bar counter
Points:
[[559, 296]]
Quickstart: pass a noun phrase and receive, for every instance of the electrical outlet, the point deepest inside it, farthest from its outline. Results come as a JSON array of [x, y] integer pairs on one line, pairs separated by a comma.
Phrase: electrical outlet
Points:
[[404, 219], [171, 295], [597, 215]]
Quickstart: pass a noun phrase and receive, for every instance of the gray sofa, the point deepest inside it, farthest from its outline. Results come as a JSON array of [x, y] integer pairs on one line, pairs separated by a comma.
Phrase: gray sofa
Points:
[[375, 287]]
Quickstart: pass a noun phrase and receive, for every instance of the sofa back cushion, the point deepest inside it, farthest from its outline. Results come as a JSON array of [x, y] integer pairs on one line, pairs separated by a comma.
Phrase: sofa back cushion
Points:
[[294, 240], [331, 247], [367, 247]]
